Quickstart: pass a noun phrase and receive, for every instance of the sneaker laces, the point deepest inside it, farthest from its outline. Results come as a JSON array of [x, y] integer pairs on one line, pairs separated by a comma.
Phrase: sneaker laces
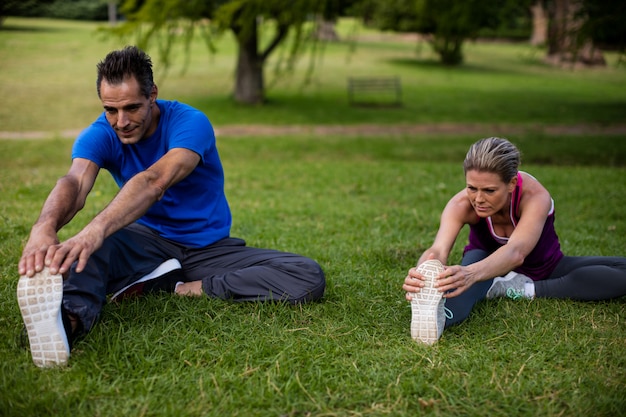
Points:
[[514, 294], [448, 312]]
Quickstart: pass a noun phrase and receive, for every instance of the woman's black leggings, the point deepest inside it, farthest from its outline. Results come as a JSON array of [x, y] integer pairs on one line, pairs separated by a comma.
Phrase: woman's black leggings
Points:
[[584, 278]]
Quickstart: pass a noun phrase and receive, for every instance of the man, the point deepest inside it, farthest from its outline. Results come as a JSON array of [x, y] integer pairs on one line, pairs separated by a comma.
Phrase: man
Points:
[[168, 228]]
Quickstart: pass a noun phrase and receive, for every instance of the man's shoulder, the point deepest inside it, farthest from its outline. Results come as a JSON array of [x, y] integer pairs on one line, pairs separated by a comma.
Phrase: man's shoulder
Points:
[[98, 130], [176, 112], [176, 106]]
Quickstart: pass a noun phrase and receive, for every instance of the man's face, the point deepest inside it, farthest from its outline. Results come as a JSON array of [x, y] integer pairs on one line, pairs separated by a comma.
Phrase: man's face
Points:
[[132, 115]]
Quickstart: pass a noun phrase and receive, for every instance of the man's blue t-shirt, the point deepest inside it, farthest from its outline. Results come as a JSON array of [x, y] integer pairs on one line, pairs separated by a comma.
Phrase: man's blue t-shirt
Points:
[[194, 212]]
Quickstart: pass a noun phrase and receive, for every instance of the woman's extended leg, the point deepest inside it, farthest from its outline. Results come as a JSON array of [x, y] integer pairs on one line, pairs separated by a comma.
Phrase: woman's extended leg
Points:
[[585, 278], [460, 307]]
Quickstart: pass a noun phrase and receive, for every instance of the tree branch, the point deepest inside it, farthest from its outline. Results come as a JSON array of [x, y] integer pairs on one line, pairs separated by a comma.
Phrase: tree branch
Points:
[[281, 32]]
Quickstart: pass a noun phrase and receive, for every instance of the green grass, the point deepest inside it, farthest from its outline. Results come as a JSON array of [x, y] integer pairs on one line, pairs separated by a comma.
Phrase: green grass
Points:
[[365, 208]]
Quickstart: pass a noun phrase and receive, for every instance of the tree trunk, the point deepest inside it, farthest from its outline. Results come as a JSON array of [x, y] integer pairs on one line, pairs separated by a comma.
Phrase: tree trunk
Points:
[[564, 45], [325, 30], [449, 49], [249, 83], [112, 10], [540, 24]]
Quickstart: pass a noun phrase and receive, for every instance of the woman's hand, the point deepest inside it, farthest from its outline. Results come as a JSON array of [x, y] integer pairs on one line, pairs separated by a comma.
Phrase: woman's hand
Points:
[[454, 281], [413, 283]]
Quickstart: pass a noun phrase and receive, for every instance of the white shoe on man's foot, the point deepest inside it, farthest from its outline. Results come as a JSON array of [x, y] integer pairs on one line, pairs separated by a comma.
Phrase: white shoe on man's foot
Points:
[[39, 298], [428, 316], [163, 278]]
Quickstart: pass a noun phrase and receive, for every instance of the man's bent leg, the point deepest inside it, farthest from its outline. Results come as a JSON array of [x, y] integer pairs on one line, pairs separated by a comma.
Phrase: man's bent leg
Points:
[[230, 270], [124, 257]]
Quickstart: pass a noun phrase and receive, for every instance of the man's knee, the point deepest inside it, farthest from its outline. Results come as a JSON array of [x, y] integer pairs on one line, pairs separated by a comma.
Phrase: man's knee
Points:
[[313, 282]]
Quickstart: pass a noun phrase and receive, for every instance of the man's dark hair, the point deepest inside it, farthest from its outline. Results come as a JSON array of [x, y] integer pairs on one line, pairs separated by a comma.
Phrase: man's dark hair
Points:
[[130, 61]]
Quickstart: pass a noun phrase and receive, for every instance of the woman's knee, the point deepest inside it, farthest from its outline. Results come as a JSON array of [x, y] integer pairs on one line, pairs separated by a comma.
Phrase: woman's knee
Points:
[[473, 256]]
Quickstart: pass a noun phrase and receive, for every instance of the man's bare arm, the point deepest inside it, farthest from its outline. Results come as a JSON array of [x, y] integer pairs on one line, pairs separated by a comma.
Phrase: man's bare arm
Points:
[[65, 200], [132, 202]]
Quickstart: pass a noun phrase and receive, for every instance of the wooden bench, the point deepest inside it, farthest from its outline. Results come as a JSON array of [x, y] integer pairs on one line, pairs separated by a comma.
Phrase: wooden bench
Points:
[[374, 91]]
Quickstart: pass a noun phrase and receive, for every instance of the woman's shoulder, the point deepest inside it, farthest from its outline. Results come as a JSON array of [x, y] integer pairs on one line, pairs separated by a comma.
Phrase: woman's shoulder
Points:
[[533, 193], [531, 184]]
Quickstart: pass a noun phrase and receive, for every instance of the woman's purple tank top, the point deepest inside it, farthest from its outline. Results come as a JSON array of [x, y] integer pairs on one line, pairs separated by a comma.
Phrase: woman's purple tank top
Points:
[[541, 261]]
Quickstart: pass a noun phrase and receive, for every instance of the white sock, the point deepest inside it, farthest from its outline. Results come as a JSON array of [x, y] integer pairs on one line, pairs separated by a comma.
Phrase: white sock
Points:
[[529, 290]]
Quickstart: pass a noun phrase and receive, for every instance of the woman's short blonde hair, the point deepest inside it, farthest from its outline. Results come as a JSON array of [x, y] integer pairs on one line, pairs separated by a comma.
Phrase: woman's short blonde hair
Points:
[[495, 155]]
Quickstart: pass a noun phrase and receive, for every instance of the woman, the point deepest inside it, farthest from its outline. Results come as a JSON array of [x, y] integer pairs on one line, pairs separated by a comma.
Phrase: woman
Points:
[[513, 249]]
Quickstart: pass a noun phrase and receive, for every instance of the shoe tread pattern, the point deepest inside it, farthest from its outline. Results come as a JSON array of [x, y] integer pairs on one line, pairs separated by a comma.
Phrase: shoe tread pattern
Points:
[[425, 305], [39, 299]]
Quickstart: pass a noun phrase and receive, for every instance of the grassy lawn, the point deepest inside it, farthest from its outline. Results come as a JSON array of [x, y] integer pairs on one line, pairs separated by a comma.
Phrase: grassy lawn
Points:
[[48, 83], [364, 207]]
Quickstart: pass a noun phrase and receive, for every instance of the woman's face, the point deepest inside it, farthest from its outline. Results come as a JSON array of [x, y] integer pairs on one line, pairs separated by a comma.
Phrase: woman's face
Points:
[[487, 193]]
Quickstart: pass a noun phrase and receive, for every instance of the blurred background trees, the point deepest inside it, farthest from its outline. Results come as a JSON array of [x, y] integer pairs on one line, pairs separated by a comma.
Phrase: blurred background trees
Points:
[[286, 20], [447, 23], [573, 32], [59, 9]]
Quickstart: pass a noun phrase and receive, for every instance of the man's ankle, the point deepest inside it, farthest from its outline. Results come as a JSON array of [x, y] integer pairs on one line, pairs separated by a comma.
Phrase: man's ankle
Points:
[[190, 289], [72, 326]]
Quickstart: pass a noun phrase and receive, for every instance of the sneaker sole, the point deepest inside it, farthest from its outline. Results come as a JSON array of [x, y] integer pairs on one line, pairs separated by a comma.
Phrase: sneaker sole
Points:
[[40, 299], [425, 305]]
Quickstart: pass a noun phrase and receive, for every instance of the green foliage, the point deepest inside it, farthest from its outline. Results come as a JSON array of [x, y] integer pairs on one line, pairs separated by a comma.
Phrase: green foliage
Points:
[[242, 17], [27, 8], [450, 23], [515, 22], [61, 9], [603, 22], [78, 10], [164, 20], [398, 15]]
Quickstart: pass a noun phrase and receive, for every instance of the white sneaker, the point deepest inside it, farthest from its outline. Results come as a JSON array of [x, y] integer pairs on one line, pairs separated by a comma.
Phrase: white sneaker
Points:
[[40, 299], [163, 278], [427, 306]]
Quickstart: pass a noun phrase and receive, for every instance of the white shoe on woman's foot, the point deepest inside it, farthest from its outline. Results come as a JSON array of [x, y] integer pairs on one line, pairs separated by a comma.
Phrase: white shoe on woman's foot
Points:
[[512, 285], [427, 306]]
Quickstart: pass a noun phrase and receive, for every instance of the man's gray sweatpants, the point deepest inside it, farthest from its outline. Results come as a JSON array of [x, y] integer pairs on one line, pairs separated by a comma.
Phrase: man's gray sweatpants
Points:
[[228, 269]]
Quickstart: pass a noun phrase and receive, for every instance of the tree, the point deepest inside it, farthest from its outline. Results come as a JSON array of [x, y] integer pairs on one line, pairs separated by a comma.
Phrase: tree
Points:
[[568, 43], [160, 20], [448, 22], [578, 30], [540, 24], [603, 23], [112, 12], [22, 8]]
